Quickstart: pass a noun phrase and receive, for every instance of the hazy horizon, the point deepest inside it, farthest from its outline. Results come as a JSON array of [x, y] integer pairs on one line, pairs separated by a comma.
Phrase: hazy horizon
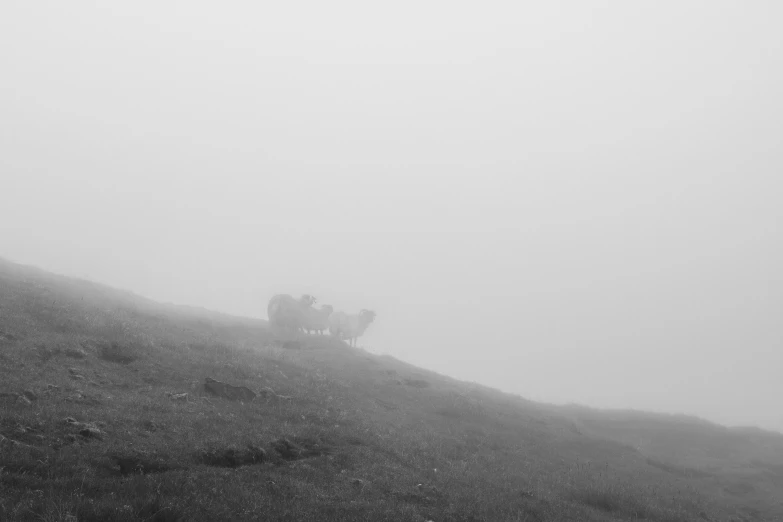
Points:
[[572, 202]]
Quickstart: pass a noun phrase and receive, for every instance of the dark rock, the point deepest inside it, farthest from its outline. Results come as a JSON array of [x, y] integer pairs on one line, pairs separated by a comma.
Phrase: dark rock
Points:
[[30, 394], [232, 457], [117, 353], [90, 432], [227, 391], [299, 448], [287, 449]]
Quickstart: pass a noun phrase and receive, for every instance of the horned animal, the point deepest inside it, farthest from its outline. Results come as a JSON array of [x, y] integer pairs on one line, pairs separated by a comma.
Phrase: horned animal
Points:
[[288, 314], [350, 327]]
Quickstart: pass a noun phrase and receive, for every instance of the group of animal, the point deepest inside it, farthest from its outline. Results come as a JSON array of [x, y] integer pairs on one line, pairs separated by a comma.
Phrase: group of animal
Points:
[[287, 314]]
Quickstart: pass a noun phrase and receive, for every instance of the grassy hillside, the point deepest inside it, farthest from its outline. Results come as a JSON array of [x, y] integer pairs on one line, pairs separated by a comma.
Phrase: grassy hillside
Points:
[[104, 416], [743, 464]]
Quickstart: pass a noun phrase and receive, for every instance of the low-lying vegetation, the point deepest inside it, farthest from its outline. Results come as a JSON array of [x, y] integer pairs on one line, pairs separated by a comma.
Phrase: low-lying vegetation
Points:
[[233, 457], [117, 353], [107, 413]]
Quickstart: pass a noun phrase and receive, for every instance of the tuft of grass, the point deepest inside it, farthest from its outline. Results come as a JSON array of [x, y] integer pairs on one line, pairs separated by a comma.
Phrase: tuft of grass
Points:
[[233, 457], [132, 463], [605, 499], [47, 353], [117, 353], [609, 491]]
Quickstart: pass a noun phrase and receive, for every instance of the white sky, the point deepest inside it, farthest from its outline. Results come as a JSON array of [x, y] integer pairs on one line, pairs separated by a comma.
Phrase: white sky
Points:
[[574, 201]]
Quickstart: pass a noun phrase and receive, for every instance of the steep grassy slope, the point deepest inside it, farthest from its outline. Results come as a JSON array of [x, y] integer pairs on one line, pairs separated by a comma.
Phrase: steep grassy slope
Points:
[[743, 464], [104, 416]]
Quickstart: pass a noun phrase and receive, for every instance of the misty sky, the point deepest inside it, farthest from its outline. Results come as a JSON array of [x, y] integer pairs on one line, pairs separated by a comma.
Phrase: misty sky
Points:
[[574, 201]]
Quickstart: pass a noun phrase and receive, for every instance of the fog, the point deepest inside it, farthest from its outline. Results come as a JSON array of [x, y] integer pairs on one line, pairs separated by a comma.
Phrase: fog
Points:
[[572, 201]]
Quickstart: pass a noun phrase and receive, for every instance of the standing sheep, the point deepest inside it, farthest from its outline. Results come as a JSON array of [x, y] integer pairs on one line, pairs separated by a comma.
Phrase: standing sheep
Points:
[[288, 314], [317, 320], [350, 327]]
